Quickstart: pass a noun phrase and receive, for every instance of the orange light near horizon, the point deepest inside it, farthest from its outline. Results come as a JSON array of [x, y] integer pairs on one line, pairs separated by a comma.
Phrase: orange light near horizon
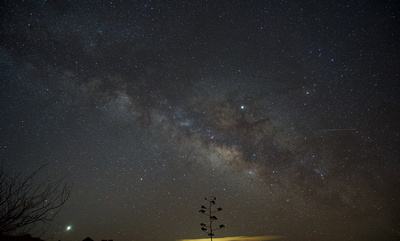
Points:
[[239, 238]]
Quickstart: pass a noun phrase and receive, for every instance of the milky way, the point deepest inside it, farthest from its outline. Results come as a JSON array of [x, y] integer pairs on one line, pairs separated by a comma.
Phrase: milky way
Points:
[[287, 112]]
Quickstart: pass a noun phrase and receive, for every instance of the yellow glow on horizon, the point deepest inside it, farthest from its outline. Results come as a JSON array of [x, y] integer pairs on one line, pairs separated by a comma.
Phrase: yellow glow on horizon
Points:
[[238, 238]]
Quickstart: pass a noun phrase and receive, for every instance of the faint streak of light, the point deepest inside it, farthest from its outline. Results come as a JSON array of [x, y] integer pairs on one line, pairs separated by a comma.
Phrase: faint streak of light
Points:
[[339, 129]]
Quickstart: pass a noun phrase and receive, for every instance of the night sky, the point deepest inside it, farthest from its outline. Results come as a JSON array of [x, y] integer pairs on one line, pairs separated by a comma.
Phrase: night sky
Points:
[[286, 111]]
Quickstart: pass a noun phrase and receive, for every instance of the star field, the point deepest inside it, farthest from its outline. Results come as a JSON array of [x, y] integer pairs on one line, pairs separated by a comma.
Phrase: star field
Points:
[[286, 111]]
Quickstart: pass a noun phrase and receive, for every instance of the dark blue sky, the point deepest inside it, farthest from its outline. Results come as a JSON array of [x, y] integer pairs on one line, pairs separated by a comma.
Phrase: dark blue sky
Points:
[[286, 111]]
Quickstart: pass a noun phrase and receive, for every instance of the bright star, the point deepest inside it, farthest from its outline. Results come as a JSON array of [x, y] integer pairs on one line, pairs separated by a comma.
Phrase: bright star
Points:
[[68, 228]]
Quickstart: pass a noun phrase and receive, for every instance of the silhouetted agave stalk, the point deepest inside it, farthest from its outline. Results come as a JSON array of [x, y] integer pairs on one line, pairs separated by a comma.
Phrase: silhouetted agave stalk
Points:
[[208, 211]]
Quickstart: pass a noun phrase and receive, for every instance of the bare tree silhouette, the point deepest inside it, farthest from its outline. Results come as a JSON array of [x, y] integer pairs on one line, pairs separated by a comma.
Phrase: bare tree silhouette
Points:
[[23, 203], [207, 228]]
